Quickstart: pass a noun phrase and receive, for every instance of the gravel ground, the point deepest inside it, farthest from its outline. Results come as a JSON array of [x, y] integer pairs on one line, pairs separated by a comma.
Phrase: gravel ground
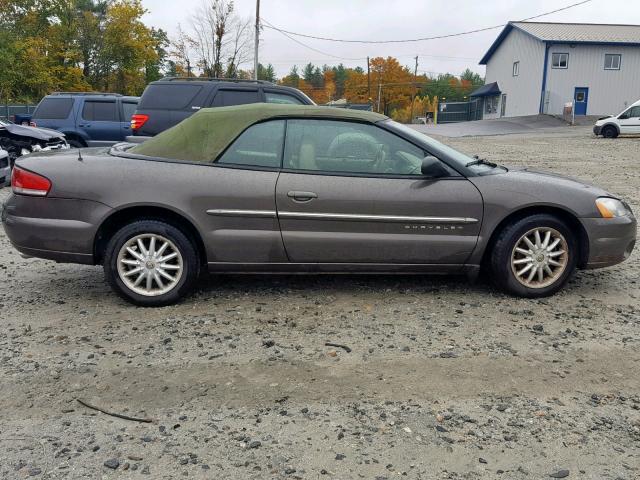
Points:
[[444, 380]]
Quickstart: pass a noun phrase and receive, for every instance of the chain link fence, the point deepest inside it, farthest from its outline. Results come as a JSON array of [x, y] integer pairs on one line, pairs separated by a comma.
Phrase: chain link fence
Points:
[[9, 112]]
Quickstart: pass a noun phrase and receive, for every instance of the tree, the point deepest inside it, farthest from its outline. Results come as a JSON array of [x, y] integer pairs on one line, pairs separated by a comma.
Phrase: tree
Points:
[[293, 79], [393, 83], [267, 73], [180, 52], [128, 46], [157, 67], [472, 77], [221, 40]]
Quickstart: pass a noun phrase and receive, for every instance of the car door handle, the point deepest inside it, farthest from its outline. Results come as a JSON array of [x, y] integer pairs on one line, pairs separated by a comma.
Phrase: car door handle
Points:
[[84, 125], [302, 196]]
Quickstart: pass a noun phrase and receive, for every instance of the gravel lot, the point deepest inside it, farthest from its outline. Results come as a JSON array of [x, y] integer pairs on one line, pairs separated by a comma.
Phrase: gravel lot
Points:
[[445, 380]]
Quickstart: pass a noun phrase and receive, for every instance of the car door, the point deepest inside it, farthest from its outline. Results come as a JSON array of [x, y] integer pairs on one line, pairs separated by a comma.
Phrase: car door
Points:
[[241, 221], [100, 120], [630, 121], [353, 193]]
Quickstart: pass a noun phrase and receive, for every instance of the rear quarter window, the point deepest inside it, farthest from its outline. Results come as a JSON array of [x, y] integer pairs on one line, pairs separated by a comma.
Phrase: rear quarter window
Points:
[[100, 111], [230, 98], [169, 97], [54, 108]]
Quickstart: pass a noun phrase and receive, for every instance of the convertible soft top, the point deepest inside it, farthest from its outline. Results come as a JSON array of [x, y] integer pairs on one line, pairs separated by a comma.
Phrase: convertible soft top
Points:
[[203, 136]]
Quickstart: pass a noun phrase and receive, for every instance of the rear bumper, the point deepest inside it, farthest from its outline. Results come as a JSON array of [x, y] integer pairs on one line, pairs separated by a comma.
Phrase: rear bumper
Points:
[[56, 229], [611, 241]]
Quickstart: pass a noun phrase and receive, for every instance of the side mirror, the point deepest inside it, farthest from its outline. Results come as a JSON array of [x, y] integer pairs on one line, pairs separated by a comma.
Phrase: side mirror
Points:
[[433, 168]]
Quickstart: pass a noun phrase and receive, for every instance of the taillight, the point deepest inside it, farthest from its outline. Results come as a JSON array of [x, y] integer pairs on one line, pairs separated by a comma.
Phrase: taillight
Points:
[[138, 120], [24, 182], [33, 124]]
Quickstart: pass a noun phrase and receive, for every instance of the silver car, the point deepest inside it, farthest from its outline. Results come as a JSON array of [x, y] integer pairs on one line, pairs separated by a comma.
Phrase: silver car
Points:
[[285, 188]]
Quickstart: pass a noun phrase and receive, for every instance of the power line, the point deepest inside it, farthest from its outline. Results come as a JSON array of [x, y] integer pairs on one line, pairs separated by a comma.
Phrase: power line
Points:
[[268, 25], [327, 39]]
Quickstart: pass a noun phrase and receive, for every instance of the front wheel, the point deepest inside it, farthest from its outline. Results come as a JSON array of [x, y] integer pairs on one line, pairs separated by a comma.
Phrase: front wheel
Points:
[[609, 132], [534, 256], [151, 263]]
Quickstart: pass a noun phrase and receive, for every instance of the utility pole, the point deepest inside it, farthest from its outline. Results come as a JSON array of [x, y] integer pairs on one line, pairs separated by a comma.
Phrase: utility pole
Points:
[[413, 94], [368, 80], [257, 42], [379, 92]]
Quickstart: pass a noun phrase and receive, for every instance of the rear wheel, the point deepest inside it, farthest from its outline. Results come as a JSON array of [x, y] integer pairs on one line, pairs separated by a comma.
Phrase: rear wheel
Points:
[[534, 256], [151, 263], [609, 132]]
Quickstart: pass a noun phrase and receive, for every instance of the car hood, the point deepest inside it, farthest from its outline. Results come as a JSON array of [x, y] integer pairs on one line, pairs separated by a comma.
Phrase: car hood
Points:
[[523, 187], [38, 133]]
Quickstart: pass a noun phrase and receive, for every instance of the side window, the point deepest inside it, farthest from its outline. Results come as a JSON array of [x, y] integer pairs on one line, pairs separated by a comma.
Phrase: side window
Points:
[[128, 109], [54, 108], [259, 146], [349, 147], [634, 112], [612, 61], [99, 111], [559, 60], [284, 98], [173, 96], [227, 98]]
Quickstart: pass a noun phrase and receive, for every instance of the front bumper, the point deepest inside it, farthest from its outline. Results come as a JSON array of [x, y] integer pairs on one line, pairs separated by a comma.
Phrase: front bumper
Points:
[[611, 240], [597, 129], [53, 228]]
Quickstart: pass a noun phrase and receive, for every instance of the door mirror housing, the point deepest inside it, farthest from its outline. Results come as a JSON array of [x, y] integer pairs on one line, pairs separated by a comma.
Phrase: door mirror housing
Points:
[[433, 168]]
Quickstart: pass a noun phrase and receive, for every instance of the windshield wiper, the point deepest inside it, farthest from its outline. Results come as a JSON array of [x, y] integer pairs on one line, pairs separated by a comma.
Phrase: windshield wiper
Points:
[[481, 161]]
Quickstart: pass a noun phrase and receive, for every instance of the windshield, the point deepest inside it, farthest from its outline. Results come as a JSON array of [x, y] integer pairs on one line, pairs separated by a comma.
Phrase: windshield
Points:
[[435, 147]]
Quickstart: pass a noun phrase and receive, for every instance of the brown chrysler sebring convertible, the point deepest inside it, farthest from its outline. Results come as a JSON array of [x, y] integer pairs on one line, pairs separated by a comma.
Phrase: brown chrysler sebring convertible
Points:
[[281, 188]]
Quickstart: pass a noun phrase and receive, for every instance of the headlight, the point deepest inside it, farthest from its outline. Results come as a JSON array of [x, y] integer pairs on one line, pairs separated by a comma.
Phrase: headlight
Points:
[[612, 208]]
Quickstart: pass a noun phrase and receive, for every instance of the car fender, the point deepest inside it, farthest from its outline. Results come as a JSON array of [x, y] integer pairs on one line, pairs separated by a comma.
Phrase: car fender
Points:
[[74, 132], [617, 127]]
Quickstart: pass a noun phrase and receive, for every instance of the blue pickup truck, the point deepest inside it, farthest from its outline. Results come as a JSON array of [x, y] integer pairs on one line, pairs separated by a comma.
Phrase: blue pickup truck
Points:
[[87, 119]]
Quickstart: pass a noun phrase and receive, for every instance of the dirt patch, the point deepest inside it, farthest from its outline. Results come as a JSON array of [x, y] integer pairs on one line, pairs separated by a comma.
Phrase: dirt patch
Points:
[[445, 380]]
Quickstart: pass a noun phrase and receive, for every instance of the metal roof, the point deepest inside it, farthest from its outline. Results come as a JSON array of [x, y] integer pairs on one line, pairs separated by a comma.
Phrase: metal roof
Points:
[[590, 33], [488, 90]]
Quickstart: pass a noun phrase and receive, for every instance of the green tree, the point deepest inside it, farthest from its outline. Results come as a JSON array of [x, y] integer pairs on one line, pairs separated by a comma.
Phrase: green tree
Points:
[[267, 73]]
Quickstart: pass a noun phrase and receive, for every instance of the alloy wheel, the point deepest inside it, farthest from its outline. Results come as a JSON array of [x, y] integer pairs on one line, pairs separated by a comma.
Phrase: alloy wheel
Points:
[[539, 257], [150, 265]]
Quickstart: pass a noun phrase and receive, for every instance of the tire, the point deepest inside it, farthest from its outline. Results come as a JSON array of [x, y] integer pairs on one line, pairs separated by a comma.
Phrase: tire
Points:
[[609, 131], [75, 143], [506, 262], [183, 268]]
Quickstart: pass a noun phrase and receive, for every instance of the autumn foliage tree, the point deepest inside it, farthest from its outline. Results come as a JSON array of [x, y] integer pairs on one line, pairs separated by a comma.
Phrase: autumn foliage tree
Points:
[[48, 45]]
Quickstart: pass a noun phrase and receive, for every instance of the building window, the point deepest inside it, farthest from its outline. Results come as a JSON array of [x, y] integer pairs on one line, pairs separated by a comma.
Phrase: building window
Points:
[[560, 60], [516, 69], [491, 104], [612, 61]]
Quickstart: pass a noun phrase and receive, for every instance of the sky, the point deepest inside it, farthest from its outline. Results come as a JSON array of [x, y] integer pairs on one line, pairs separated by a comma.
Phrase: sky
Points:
[[390, 20]]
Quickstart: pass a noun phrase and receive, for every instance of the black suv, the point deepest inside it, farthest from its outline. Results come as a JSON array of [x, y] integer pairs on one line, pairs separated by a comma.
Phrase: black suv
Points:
[[167, 102]]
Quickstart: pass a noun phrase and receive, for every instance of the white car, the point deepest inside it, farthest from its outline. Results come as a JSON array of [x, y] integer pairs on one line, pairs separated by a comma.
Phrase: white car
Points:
[[5, 168], [627, 122]]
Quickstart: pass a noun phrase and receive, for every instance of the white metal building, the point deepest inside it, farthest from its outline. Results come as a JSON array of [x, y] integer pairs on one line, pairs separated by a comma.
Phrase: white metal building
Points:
[[537, 67]]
